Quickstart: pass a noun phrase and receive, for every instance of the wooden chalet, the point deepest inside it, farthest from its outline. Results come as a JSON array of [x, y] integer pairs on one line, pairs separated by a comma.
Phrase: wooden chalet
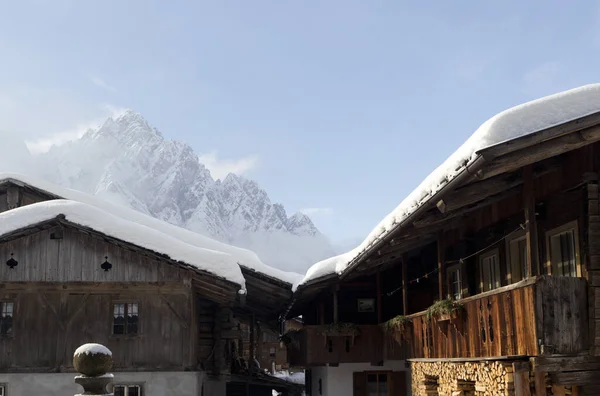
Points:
[[488, 288], [173, 328]]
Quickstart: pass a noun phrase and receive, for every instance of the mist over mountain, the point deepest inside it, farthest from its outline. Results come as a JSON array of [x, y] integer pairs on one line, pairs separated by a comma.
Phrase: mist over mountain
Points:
[[129, 162]]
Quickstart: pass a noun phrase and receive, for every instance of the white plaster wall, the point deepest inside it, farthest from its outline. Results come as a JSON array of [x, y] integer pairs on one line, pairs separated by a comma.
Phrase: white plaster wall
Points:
[[338, 381], [319, 373], [62, 384]]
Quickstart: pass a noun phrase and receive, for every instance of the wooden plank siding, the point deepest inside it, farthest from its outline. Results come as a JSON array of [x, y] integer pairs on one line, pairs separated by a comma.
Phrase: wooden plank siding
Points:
[[48, 326], [312, 348], [510, 321], [77, 258]]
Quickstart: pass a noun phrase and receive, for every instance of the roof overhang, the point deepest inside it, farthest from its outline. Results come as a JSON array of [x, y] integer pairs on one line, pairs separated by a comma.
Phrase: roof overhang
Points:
[[499, 159]]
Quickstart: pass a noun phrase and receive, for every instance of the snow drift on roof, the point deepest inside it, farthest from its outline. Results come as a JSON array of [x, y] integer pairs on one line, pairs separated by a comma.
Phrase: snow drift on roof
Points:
[[510, 124], [217, 263], [244, 257]]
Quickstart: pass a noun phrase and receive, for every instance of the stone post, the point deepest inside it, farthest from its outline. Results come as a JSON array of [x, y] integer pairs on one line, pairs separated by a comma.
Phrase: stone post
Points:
[[93, 361]]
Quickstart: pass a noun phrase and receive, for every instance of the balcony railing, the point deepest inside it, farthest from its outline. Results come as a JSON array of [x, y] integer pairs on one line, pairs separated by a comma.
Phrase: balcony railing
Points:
[[313, 347], [543, 315]]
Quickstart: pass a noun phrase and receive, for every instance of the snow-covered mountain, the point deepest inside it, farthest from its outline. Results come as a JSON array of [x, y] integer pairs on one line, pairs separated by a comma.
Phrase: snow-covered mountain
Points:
[[129, 162]]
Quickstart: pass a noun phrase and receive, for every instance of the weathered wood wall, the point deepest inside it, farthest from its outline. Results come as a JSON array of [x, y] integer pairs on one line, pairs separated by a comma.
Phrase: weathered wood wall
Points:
[[77, 257], [48, 325], [372, 345], [13, 196], [547, 315]]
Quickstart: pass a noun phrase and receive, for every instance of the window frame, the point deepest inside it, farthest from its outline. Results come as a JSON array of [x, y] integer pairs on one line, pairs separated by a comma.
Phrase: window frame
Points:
[[3, 389], [112, 318], [517, 237], [12, 327], [378, 373], [571, 225], [484, 256], [460, 267], [128, 385]]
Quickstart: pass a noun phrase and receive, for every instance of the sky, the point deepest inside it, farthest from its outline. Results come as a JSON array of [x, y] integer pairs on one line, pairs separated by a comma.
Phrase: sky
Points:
[[336, 108]]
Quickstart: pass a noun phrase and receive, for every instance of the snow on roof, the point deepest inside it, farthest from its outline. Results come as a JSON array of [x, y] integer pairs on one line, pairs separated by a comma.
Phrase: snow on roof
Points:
[[215, 262], [510, 124], [92, 349], [243, 256]]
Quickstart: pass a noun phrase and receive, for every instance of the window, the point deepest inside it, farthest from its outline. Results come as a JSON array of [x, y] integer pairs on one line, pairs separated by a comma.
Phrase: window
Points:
[[2, 390], [272, 352], [377, 384], [563, 250], [490, 271], [125, 318], [6, 318], [128, 390], [455, 282], [517, 256]]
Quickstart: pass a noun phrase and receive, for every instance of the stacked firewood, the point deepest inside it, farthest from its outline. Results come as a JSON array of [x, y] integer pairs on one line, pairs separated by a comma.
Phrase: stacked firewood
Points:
[[469, 378]]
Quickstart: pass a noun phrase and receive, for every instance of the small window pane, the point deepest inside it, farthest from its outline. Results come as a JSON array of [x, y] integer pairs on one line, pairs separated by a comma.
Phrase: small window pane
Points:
[[119, 390], [133, 390], [455, 284], [491, 272], [119, 319], [383, 386], [132, 318], [563, 254], [6, 317]]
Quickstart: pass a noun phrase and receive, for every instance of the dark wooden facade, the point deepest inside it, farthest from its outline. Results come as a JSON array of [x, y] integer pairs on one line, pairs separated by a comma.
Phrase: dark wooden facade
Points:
[[530, 203], [62, 298]]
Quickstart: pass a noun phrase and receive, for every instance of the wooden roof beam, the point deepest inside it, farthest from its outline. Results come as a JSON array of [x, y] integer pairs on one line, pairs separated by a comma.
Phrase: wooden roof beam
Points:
[[546, 149]]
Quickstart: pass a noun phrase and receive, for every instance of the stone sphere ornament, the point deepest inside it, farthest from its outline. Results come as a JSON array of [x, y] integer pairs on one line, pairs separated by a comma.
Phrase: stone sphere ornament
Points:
[[92, 360]]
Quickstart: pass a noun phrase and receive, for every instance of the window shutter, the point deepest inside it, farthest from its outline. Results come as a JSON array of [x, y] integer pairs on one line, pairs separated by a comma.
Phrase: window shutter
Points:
[[360, 384], [398, 383]]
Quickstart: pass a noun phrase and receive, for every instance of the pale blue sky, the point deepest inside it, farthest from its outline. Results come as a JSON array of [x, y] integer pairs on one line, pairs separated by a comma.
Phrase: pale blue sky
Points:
[[338, 105]]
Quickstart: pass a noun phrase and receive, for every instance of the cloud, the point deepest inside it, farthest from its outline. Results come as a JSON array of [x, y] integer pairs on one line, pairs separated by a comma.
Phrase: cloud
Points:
[[97, 81], [43, 144], [220, 168], [317, 211]]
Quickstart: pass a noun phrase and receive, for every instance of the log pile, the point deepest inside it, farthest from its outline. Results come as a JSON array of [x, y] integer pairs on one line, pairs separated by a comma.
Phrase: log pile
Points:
[[468, 378]]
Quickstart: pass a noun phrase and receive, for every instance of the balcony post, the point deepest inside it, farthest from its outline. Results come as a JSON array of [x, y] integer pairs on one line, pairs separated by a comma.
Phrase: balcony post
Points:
[[441, 270], [531, 237], [335, 303], [379, 312], [252, 343], [404, 283]]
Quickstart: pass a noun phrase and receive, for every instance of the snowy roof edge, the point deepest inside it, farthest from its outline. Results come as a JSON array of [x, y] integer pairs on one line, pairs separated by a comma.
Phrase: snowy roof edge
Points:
[[247, 258], [521, 121]]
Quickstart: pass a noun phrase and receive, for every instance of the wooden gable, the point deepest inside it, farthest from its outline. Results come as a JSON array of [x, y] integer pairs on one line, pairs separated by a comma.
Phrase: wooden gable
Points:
[[61, 252], [14, 194]]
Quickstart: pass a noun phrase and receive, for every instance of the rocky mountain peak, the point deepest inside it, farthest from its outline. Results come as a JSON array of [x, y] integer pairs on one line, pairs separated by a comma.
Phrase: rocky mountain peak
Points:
[[128, 161]]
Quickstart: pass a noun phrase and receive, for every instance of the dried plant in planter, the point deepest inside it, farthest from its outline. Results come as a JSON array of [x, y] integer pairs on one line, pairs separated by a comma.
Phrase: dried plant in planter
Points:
[[341, 330], [290, 338], [399, 327], [444, 310]]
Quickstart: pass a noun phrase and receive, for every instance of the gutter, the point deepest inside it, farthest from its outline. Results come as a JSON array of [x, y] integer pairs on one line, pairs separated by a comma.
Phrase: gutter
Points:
[[469, 170]]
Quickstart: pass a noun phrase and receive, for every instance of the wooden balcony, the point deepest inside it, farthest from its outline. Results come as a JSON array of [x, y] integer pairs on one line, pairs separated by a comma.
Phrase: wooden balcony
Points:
[[311, 347], [537, 316]]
